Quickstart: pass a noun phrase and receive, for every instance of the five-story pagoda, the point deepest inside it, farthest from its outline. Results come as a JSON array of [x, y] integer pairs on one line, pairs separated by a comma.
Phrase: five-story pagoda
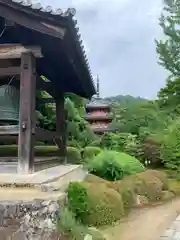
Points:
[[98, 114]]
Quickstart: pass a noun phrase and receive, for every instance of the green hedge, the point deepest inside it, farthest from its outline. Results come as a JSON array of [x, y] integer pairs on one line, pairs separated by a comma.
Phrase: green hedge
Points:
[[150, 184], [94, 205], [43, 151], [73, 154], [90, 152], [112, 165]]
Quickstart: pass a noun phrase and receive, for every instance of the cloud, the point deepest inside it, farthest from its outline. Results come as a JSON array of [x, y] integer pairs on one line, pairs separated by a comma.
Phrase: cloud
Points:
[[119, 37]]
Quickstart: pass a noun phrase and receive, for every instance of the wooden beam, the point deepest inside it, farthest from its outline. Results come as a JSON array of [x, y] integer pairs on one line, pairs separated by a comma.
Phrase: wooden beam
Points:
[[14, 51], [27, 120], [26, 19], [9, 71]]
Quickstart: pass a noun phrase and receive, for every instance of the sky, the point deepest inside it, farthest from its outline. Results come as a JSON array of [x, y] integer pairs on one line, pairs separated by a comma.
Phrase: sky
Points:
[[119, 38]]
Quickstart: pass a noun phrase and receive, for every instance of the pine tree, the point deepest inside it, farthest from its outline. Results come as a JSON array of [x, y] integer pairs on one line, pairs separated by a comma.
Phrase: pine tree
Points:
[[169, 49]]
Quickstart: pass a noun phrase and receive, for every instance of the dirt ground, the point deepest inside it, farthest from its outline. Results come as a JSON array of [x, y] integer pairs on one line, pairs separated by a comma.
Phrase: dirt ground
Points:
[[145, 224]]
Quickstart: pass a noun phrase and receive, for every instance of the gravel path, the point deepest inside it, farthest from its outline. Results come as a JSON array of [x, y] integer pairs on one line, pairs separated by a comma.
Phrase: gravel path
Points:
[[149, 224]]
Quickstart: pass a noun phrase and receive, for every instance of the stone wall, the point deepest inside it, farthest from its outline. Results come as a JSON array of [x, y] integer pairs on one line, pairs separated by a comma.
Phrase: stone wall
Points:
[[32, 220]]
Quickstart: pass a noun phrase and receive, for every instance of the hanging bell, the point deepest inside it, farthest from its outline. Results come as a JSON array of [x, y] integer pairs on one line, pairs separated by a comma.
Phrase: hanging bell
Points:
[[9, 104]]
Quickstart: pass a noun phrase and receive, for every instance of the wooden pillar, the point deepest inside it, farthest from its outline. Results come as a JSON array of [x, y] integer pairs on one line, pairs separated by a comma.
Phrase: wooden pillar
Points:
[[61, 125], [27, 116]]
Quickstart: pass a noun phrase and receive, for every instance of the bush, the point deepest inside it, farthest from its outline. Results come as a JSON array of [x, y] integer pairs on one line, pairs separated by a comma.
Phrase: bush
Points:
[[151, 149], [174, 186], [90, 152], [150, 184], [161, 176], [43, 151], [170, 147], [94, 204], [127, 192], [112, 165], [73, 155], [95, 179], [78, 201], [69, 227]]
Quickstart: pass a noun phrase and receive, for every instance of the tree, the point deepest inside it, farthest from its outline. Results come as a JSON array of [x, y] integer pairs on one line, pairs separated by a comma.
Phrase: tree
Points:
[[169, 55], [139, 118], [168, 49], [169, 96]]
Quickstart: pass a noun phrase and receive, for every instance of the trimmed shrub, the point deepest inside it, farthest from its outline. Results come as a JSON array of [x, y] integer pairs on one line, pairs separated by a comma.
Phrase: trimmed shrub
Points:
[[161, 176], [174, 187], [95, 179], [43, 151], [150, 184], [112, 165], [152, 188], [93, 204], [90, 152], [127, 192], [73, 155], [68, 225]]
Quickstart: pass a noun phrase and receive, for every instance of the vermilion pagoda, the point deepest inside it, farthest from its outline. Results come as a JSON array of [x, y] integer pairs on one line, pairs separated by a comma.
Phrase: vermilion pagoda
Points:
[[99, 115]]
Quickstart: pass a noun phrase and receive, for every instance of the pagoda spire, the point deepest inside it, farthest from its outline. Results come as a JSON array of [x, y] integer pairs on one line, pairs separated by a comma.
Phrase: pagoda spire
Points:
[[98, 91]]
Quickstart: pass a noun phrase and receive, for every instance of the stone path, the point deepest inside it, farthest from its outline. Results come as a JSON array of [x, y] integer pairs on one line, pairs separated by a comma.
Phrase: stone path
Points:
[[173, 232]]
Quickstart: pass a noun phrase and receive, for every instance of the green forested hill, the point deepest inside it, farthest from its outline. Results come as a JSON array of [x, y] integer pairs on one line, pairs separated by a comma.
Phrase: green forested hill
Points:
[[124, 99]]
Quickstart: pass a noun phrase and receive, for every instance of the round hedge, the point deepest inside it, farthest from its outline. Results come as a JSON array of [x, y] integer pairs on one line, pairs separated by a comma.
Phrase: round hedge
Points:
[[112, 165], [90, 152], [150, 184], [93, 204], [73, 155]]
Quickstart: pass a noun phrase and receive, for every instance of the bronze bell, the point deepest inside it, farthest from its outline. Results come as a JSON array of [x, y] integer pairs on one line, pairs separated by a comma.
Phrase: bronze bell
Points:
[[9, 104]]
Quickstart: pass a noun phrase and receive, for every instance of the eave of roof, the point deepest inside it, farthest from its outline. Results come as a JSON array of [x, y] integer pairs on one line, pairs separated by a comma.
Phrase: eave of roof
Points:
[[64, 19]]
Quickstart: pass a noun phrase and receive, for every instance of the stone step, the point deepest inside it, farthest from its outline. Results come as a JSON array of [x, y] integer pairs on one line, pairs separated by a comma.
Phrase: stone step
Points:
[[60, 184], [48, 180]]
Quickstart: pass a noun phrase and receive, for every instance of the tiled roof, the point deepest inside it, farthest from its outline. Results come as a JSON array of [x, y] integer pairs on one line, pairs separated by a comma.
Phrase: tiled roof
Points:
[[97, 103], [46, 9], [61, 15]]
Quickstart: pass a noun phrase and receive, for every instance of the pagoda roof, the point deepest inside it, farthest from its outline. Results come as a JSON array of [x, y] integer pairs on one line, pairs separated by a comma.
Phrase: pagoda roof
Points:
[[103, 130], [65, 62], [97, 103]]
